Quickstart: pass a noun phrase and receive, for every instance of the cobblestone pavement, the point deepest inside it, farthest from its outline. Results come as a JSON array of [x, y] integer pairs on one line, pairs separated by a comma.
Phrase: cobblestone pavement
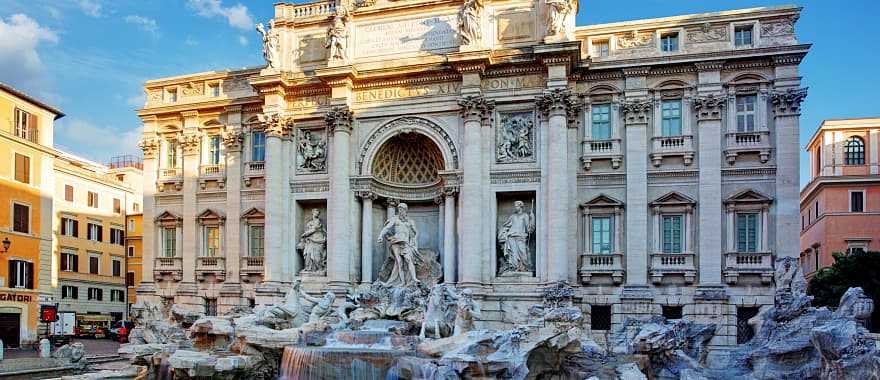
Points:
[[93, 347]]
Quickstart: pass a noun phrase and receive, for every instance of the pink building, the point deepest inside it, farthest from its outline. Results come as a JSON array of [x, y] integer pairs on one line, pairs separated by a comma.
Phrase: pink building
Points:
[[840, 206]]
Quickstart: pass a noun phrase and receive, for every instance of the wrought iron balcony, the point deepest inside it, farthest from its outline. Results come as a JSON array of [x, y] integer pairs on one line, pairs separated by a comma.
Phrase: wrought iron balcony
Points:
[[682, 264], [747, 142], [608, 149], [737, 264], [669, 146], [593, 264]]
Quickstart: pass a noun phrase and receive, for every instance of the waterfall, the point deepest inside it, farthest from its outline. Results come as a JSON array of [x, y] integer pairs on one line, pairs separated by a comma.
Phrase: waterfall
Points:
[[322, 363]]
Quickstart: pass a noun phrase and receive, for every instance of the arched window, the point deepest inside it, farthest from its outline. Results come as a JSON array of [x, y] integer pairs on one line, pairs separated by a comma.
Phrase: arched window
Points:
[[854, 151]]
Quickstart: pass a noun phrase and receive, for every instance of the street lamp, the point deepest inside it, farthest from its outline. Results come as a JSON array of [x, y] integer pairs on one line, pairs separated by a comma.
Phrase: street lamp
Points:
[[6, 244]]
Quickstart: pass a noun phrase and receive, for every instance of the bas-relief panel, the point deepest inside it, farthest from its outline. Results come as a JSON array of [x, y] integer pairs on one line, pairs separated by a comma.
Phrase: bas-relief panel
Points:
[[311, 151], [515, 138], [515, 26], [428, 34], [311, 49]]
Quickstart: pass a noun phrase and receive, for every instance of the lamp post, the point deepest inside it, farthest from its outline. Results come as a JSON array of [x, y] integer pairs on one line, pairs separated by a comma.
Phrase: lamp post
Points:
[[6, 244]]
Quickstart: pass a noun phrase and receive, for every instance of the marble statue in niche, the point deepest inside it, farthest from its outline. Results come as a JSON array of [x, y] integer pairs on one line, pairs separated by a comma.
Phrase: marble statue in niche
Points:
[[313, 244], [312, 153], [337, 35], [469, 21], [516, 138], [514, 237], [402, 236], [270, 43]]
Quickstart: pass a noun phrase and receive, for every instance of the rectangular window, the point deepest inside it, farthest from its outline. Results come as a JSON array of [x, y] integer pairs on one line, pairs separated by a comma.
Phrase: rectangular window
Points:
[[169, 242], [117, 295], [672, 239], [117, 206], [93, 199], [856, 201], [214, 150], [258, 146], [69, 227], [21, 274], [747, 235], [131, 226], [600, 317], [601, 123], [117, 236], [131, 251], [601, 48], [172, 95], [69, 292], [601, 234], [210, 307], [136, 207], [212, 241], [255, 241], [129, 279], [817, 209], [95, 232], [672, 312], [26, 125], [117, 268], [96, 294], [69, 262], [94, 264], [68, 193], [671, 118], [22, 168], [215, 90], [171, 154], [743, 36], [669, 42], [21, 218], [745, 113]]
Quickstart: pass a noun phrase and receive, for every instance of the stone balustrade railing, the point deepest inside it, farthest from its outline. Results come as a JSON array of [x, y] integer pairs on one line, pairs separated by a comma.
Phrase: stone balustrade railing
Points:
[[663, 264], [601, 149], [601, 264], [737, 264], [212, 170], [299, 11], [168, 266], [170, 173]]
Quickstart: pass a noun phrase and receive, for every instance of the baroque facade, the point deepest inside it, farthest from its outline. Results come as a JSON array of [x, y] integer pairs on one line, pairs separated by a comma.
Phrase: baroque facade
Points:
[[495, 145]]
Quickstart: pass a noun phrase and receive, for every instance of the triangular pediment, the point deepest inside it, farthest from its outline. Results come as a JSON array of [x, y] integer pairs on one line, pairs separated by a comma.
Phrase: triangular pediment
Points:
[[673, 198], [748, 196], [210, 215], [167, 217], [253, 213], [602, 200]]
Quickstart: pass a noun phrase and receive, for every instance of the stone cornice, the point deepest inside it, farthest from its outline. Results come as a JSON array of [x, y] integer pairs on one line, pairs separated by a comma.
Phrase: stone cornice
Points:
[[145, 113], [709, 65], [513, 70], [790, 59], [411, 80], [636, 71], [695, 57]]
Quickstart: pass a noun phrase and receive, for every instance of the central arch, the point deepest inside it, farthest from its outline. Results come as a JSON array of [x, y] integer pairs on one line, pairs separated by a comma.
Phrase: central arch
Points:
[[407, 125], [408, 159]]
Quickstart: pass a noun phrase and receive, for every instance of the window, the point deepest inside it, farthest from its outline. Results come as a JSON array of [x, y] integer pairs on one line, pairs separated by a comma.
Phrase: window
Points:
[[856, 248], [25, 125], [22, 168], [601, 234], [131, 251], [96, 232], [94, 264], [21, 274], [172, 95], [669, 42], [672, 312], [169, 241], [856, 201], [255, 241], [601, 128], [129, 279], [601, 48], [68, 193], [745, 113], [747, 225], [671, 116], [117, 236], [817, 256], [117, 268], [131, 226], [210, 307], [212, 241], [742, 36], [600, 317], [69, 227], [117, 295], [215, 90], [117, 206], [96, 294], [258, 146], [672, 234], [817, 209], [214, 150], [171, 154], [69, 292], [854, 151], [744, 331], [21, 218], [136, 207], [93, 199], [69, 262]]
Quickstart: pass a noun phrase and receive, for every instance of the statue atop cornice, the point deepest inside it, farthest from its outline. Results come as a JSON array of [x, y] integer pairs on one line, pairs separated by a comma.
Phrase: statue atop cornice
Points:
[[337, 35], [469, 18], [561, 18], [270, 44]]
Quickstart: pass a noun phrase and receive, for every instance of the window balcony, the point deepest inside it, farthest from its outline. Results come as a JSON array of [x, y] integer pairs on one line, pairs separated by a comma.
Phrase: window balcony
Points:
[[168, 268], [170, 174], [747, 142], [251, 266], [664, 264], [254, 169], [210, 266], [672, 146], [212, 173], [601, 264], [601, 150], [737, 264]]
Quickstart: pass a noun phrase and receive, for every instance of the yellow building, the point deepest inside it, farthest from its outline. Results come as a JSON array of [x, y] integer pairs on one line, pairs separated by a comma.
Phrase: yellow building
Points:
[[26, 187], [134, 253], [91, 204]]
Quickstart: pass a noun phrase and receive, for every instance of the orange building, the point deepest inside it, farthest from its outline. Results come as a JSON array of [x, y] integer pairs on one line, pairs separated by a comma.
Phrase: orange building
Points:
[[134, 253], [26, 187], [840, 206]]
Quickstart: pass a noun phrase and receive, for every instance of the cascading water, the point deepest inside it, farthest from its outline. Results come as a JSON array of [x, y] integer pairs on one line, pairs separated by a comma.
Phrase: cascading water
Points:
[[329, 363]]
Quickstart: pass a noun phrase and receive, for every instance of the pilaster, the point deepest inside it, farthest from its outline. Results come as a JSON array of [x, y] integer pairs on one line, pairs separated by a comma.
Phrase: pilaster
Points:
[[474, 109], [636, 115], [277, 129], [709, 110], [233, 140], [150, 147], [787, 111], [339, 248], [191, 145]]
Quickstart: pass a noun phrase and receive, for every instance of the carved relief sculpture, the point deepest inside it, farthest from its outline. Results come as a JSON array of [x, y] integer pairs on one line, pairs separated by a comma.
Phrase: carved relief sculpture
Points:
[[311, 157], [402, 236], [635, 40], [514, 238], [270, 44], [777, 28], [313, 244], [469, 21], [708, 33], [337, 36], [515, 138], [560, 16]]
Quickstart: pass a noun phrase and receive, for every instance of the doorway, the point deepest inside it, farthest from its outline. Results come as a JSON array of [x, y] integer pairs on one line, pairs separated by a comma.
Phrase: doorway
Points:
[[10, 329]]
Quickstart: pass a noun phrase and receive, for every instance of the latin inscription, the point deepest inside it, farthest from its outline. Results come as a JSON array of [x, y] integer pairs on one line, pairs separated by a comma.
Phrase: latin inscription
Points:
[[512, 83], [313, 101], [380, 94], [424, 34]]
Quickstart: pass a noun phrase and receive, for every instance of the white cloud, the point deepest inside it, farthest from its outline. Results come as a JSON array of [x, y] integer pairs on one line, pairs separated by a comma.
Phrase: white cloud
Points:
[[78, 136], [20, 63], [242, 41], [146, 23], [237, 15], [90, 7]]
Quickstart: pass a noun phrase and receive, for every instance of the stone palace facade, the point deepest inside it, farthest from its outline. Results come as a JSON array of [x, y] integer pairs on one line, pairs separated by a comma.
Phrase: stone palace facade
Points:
[[652, 164]]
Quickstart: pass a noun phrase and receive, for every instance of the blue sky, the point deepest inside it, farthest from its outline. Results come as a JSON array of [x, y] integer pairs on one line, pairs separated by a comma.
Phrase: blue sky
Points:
[[90, 57]]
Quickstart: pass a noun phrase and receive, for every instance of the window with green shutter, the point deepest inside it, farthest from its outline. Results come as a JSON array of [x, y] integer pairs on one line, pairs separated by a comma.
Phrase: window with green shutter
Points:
[[601, 123], [747, 232], [601, 234], [671, 118], [672, 234]]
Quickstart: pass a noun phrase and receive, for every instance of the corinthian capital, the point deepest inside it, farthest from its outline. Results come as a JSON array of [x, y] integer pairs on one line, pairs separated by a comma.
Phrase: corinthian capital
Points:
[[233, 140], [788, 102], [558, 101], [190, 143], [709, 107], [150, 146], [278, 125], [636, 112], [339, 119], [475, 107]]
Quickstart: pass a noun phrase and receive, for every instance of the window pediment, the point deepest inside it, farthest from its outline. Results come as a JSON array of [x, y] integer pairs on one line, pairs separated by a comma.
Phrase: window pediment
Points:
[[748, 196], [211, 217], [253, 216], [601, 202], [168, 219], [673, 199]]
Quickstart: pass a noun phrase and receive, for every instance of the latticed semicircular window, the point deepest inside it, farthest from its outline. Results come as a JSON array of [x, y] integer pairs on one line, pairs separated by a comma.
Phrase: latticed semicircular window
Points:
[[408, 159], [854, 151]]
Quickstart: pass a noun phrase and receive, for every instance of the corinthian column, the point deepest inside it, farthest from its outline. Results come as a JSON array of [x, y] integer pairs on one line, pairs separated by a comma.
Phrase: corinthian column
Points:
[[277, 127], [473, 110], [150, 146], [191, 162], [787, 112], [367, 199], [232, 141], [557, 105], [636, 118], [709, 110], [339, 247]]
